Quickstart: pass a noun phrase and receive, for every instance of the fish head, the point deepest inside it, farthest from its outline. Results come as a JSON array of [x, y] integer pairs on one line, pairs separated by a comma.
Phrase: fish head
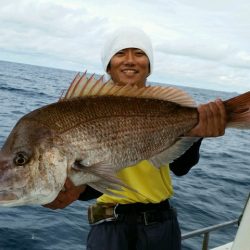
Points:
[[33, 169]]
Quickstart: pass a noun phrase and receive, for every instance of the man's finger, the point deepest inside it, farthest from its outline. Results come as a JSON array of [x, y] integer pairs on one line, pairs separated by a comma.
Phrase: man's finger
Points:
[[68, 184]]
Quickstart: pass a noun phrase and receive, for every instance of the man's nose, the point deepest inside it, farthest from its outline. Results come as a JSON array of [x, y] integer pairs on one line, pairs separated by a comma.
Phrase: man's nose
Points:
[[130, 58]]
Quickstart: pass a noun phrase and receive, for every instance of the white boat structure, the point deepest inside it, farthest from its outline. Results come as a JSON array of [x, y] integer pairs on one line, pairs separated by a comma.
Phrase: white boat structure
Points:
[[242, 238]]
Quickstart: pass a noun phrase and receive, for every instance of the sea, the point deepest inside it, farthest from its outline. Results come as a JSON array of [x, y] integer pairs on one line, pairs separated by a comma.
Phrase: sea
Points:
[[213, 192]]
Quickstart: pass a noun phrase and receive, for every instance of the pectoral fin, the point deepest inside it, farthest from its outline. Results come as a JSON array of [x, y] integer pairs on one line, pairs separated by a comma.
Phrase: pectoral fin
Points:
[[109, 181]]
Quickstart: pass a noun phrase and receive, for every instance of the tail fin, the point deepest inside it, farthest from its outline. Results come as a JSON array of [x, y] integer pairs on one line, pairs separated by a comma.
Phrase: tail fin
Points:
[[238, 111]]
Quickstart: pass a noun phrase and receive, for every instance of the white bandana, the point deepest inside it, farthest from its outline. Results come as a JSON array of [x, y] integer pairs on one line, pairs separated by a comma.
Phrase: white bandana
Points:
[[126, 37]]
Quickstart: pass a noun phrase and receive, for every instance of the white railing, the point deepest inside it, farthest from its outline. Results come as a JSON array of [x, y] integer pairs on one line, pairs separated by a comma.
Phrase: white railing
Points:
[[206, 232]]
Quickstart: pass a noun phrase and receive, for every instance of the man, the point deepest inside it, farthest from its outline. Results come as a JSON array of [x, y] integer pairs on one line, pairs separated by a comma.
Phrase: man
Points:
[[143, 220]]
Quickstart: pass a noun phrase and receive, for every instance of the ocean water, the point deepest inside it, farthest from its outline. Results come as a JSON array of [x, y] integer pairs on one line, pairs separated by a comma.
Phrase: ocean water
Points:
[[214, 191]]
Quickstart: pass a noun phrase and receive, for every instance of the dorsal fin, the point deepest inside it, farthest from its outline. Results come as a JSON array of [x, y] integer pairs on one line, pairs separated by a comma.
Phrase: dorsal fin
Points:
[[88, 86]]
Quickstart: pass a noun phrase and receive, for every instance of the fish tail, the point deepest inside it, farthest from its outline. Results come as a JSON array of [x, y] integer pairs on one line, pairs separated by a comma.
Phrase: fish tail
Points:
[[238, 111]]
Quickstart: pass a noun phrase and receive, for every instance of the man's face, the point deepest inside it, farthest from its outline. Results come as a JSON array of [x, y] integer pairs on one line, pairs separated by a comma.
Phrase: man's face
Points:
[[129, 66]]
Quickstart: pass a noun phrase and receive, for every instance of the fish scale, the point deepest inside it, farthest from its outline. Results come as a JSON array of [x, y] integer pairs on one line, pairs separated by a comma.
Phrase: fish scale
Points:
[[113, 121]]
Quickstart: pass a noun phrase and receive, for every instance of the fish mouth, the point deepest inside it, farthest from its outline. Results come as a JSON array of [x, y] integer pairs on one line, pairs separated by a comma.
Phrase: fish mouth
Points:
[[6, 197]]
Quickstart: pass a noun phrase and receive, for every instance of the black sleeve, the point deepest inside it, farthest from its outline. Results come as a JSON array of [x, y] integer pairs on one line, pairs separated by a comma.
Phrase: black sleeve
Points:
[[185, 162], [89, 194]]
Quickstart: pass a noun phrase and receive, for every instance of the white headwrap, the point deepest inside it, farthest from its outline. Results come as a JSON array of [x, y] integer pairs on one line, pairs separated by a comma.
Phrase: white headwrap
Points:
[[127, 37]]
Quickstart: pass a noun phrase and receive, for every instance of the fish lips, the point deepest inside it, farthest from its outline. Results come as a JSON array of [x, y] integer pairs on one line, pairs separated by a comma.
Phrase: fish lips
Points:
[[6, 196]]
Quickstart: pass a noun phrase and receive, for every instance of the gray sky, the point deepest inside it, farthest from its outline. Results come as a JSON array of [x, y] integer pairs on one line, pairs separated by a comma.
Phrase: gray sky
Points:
[[197, 43]]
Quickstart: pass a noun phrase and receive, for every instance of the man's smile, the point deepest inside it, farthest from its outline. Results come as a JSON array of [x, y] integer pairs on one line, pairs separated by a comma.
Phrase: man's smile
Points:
[[129, 72]]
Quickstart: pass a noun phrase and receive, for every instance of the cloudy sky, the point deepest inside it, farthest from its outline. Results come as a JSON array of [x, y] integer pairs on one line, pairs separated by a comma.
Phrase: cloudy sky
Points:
[[197, 43]]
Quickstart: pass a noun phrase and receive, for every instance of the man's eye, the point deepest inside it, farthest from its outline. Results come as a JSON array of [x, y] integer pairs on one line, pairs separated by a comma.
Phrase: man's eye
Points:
[[119, 53], [140, 53]]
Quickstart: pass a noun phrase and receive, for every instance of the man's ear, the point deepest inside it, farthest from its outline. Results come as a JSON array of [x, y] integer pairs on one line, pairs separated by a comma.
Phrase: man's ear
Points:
[[149, 69], [108, 68]]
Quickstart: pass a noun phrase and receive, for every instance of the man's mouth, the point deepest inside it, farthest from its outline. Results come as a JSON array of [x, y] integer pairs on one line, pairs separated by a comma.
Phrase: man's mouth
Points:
[[129, 72]]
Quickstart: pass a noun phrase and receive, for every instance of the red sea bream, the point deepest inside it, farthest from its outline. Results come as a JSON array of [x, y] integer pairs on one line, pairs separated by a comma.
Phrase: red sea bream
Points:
[[95, 130]]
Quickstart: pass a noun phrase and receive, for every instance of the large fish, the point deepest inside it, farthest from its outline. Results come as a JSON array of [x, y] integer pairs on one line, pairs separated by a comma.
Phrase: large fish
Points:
[[95, 130]]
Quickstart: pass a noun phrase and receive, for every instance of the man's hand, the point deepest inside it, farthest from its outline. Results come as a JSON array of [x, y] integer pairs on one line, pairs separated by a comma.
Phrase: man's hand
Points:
[[67, 196], [212, 120]]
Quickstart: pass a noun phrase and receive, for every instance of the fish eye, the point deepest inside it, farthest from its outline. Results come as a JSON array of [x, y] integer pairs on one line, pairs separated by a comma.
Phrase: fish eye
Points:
[[21, 159]]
